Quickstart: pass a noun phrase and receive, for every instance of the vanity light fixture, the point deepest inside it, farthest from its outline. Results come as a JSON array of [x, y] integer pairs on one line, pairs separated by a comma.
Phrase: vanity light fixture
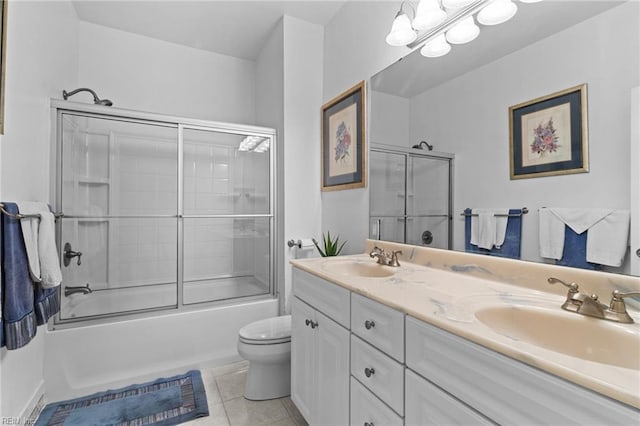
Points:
[[497, 12], [463, 32], [436, 23]]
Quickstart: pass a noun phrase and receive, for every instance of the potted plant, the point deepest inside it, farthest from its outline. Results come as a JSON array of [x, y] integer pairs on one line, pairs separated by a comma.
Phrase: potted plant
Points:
[[331, 247]]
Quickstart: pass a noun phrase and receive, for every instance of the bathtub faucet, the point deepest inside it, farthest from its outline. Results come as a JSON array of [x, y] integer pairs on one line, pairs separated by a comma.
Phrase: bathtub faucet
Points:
[[84, 289]]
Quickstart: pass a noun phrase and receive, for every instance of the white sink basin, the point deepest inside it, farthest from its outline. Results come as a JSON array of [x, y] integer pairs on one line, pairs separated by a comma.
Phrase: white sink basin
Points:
[[358, 269], [575, 335]]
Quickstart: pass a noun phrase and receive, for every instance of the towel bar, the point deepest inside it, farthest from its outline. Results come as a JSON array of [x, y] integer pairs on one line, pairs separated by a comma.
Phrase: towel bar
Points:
[[25, 216], [523, 211]]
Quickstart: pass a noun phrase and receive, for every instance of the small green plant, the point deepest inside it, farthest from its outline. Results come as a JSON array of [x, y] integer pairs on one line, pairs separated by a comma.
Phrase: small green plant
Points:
[[331, 247]]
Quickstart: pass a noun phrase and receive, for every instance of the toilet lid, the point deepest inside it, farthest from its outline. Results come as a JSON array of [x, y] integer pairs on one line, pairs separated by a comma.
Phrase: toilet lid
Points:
[[270, 329]]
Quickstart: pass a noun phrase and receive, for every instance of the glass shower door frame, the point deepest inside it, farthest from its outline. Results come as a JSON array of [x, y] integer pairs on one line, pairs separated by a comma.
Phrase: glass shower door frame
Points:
[[59, 108], [408, 153]]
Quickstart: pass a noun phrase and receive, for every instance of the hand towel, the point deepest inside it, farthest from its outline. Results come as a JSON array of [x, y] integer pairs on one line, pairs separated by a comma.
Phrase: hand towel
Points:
[[608, 239], [513, 235], [550, 234], [607, 233], [488, 230], [19, 320], [40, 243]]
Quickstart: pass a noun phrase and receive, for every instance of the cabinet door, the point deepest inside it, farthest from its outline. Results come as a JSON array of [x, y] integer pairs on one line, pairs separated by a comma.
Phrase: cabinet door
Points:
[[427, 404], [303, 373], [332, 369]]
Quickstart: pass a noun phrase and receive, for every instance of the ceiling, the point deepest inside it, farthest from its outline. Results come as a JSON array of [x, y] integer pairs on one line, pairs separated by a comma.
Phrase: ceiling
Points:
[[236, 28], [415, 74]]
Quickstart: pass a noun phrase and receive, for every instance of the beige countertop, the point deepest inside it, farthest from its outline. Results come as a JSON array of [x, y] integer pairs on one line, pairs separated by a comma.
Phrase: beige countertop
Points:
[[447, 288]]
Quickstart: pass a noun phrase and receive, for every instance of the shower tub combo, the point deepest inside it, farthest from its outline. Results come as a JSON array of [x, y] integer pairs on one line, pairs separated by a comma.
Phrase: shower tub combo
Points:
[[167, 244]]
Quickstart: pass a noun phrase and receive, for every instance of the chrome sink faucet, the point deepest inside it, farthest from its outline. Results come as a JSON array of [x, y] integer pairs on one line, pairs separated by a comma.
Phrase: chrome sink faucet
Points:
[[385, 259], [584, 304]]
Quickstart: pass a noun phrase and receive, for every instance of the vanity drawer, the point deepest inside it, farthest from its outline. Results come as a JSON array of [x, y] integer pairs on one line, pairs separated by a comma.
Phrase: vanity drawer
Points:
[[385, 375], [367, 409], [379, 325], [326, 297]]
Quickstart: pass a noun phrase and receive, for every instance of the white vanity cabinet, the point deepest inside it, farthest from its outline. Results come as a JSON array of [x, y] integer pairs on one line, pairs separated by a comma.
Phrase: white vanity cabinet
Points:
[[320, 350], [502, 389]]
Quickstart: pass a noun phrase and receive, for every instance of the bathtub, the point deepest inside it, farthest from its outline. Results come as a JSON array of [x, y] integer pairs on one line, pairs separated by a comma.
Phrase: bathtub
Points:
[[79, 361]]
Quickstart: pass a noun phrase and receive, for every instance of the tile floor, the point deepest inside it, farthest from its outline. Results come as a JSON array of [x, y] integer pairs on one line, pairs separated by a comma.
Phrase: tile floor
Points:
[[228, 407]]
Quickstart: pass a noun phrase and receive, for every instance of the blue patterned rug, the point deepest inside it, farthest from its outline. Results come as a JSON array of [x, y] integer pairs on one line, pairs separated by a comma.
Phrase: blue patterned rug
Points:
[[163, 402]]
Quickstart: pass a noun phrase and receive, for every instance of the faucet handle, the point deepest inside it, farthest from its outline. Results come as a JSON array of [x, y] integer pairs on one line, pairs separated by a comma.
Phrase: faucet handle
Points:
[[617, 300], [618, 306], [573, 287], [394, 258]]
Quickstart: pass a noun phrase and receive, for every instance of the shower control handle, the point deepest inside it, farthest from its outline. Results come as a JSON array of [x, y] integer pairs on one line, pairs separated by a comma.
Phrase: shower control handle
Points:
[[70, 254]]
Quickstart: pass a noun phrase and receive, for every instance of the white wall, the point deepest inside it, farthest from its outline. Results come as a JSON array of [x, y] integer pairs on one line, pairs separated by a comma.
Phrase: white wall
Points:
[[389, 120], [142, 73], [288, 92], [469, 117], [301, 170], [354, 50], [41, 60]]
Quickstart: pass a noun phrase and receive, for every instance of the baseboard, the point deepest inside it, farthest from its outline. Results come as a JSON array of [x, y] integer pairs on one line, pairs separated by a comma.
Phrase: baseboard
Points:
[[35, 405]]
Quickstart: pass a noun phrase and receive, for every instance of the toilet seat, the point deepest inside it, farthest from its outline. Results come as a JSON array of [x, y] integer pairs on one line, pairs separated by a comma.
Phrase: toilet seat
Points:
[[270, 331]]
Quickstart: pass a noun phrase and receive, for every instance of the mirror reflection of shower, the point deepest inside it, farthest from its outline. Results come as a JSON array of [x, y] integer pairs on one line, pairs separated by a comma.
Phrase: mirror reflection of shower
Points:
[[96, 99]]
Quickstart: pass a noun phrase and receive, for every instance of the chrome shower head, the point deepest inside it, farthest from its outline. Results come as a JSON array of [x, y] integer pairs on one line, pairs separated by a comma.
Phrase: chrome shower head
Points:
[[96, 99], [419, 146]]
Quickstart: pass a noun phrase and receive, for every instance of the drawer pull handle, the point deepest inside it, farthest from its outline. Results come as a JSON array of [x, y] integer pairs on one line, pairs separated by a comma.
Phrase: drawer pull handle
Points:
[[307, 322], [369, 324], [369, 371], [368, 424], [314, 324]]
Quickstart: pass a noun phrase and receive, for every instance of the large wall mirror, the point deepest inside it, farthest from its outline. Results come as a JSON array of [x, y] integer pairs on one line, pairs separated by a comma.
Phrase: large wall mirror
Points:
[[460, 103]]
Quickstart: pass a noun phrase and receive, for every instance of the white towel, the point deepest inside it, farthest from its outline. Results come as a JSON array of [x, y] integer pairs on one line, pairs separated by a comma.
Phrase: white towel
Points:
[[488, 229], [607, 237], [551, 234], [40, 243]]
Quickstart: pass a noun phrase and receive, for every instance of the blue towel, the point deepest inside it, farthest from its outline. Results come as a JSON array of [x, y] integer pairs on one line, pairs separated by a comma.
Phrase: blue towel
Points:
[[575, 251], [511, 246], [25, 305]]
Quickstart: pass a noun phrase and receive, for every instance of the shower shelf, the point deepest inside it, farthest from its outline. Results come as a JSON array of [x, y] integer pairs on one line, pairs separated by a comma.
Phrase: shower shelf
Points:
[[93, 181]]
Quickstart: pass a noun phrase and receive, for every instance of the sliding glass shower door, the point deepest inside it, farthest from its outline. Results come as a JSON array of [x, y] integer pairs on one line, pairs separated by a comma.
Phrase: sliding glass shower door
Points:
[[161, 215], [410, 197]]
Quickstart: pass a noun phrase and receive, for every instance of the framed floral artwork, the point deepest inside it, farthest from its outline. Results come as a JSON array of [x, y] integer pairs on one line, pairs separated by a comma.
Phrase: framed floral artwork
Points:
[[343, 140], [548, 135]]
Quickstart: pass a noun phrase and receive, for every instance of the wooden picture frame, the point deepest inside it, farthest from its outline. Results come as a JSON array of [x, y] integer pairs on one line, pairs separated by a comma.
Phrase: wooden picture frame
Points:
[[548, 135], [3, 55], [344, 148]]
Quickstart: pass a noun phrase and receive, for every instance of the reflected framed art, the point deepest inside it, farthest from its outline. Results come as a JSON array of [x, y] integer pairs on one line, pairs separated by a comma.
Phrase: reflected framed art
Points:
[[548, 135]]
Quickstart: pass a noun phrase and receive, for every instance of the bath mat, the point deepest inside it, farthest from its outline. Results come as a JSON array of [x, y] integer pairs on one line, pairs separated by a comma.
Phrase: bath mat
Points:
[[162, 402]]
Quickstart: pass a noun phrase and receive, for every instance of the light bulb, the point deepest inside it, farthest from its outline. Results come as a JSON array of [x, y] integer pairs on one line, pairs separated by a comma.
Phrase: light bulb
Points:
[[497, 12], [401, 32], [428, 15], [463, 32], [436, 47]]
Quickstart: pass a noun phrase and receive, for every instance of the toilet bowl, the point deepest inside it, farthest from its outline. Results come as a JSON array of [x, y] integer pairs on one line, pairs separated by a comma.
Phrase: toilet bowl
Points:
[[266, 344]]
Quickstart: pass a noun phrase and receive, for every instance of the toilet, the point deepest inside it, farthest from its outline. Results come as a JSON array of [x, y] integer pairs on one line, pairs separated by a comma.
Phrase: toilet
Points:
[[266, 344]]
